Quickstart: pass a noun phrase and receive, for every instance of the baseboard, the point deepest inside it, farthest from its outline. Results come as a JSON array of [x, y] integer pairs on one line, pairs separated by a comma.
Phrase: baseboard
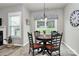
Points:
[[25, 43], [21, 44], [18, 44], [71, 49]]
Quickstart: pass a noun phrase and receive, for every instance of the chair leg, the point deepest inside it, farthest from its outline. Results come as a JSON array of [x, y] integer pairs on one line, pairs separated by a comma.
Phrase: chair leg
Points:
[[29, 50], [38, 49], [50, 53], [59, 52], [33, 52]]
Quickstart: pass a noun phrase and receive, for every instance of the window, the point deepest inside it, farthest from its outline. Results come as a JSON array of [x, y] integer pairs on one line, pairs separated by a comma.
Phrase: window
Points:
[[40, 24], [48, 25], [14, 25]]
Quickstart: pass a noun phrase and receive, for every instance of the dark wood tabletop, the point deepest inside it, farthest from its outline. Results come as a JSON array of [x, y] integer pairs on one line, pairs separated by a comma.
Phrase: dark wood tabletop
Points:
[[44, 37]]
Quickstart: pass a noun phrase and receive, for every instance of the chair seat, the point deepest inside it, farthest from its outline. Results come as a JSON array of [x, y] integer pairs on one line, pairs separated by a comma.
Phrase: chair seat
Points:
[[49, 46], [37, 45]]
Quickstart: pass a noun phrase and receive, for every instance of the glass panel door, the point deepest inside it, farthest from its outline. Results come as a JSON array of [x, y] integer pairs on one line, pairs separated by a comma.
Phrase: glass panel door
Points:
[[14, 25]]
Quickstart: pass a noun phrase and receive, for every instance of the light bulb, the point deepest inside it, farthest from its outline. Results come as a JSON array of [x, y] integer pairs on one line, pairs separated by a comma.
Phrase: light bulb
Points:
[[46, 19]]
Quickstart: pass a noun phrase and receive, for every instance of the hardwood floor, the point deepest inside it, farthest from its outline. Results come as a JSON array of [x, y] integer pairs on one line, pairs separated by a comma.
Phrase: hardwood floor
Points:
[[23, 51], [6, 51], [64, 52]]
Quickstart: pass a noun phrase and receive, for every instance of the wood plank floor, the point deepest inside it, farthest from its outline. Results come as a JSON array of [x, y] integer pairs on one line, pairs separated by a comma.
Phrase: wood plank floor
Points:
[[6, 51], [23, 51], [64, 52]]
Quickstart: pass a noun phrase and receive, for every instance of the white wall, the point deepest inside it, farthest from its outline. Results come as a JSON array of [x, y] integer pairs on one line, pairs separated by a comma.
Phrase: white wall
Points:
[[57, 12], [4, 15], [71, 33], [26, 27]]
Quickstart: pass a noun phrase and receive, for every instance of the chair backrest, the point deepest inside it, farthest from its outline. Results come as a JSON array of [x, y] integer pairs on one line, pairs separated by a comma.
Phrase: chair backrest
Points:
[[30, 37], [56, 39], [54, 32], [36, 33]]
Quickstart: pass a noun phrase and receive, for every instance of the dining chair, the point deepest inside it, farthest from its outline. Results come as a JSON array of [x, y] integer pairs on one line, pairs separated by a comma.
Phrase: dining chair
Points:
[[55, 43], [53, 33], [33, 46], [36, 34]]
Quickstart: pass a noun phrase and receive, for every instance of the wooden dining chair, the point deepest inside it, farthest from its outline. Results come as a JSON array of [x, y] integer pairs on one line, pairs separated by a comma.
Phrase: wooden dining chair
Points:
[[55, 43], [36, 34], [53, 33], [33, 46]]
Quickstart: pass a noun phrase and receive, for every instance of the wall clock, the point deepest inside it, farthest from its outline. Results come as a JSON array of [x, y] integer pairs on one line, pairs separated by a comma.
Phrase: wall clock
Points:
[[74, 18]]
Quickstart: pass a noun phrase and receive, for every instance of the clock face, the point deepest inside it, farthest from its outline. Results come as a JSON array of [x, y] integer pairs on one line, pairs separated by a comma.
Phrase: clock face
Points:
[[74, 18]]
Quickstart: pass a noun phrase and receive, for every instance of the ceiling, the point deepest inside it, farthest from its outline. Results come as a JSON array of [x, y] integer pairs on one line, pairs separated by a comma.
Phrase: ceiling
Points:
[[3, 5], [36, 6], [40, 6]]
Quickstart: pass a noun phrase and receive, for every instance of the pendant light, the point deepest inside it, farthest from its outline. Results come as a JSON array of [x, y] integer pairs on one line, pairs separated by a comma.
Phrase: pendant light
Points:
[[45, 17]]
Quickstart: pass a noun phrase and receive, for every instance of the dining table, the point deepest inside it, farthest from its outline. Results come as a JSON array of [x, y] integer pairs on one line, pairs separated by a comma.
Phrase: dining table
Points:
[[44, 39]]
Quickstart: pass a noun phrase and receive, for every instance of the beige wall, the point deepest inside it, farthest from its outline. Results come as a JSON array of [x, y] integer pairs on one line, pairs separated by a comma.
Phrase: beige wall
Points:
[[71, 33]]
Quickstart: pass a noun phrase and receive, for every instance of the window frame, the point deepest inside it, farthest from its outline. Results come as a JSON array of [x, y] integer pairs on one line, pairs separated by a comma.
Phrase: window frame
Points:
[[55, 21]]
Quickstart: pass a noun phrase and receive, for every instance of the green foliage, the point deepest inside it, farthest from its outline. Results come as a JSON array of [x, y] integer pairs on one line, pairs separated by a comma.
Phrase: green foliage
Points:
[[48, 30]]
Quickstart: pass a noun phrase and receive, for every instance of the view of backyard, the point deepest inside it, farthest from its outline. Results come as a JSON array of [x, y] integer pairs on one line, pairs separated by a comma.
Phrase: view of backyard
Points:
[[46, 25]]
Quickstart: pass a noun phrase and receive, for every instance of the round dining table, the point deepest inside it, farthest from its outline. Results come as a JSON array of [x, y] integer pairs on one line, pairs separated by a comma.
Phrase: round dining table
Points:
[[44, 39]]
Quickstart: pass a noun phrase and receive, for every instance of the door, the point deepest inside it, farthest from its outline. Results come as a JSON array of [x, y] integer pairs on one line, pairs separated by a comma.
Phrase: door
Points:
[[14, 26]]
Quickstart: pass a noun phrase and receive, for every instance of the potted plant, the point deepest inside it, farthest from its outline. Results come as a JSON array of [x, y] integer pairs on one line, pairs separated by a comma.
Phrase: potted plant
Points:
[[44, 31], [9, 41]]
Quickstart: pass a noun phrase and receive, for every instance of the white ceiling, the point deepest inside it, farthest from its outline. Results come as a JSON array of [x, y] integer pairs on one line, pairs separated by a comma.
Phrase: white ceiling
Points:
[[3, 5], [40, 6], [36, 6]]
